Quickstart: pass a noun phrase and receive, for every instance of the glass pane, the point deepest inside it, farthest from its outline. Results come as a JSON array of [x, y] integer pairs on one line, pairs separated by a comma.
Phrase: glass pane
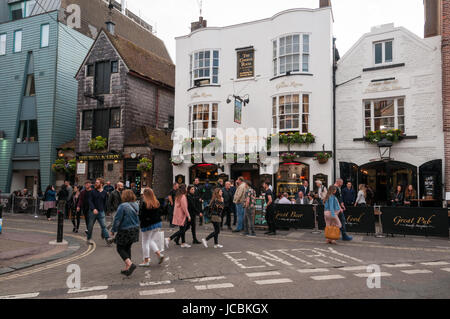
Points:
[[296, 123], [282, 124], [17, 41], [274, 122], [215, 79], [368, 125], [216, 55], [401, 102], [275, 67], [206, 72], [305, 124], [45, 35], [201, 63], [305, 63], [384, 124], [30, 89], [22, 133], [207, 54], [281, 100], [378, 53], [367, 113], [401, 111], [207, 62], [2, 44], [201, 55], [388, 51], [384, 108], [295, 108], [216, 63], [296, 63], [305, 98], [401, 120], [402, 128], [282, 110], [33, 135], [274, 49]]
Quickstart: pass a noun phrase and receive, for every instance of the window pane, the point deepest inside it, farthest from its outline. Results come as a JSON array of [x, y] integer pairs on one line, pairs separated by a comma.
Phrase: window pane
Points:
[[207, 55], [30, 89], [115, 118], [385, 124], [388, 51], [87, 120], [305, 67], [18, 41], [305, 124], [296, 63], [215, 79], [305, 43], [368, 125], [33, 135], [45, 35], [23, 131], [2, 44], [114, 66], [384, 108], [378, 53], [274, 49], [216, 55]]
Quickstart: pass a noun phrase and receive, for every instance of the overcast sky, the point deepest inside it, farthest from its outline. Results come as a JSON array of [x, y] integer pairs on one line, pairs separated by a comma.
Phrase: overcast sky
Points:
[[352, 18]]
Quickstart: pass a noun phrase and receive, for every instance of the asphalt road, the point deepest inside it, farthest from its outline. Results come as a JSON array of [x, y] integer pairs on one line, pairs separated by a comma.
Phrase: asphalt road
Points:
[[292, 265]]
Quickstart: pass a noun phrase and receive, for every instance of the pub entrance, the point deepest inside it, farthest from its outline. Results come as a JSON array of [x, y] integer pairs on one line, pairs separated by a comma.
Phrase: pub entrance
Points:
[[250, 172]]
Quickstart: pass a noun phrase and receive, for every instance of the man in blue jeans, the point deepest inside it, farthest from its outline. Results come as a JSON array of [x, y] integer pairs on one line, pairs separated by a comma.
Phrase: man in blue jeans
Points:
[[338, 184], [97, 207], [239, 200]]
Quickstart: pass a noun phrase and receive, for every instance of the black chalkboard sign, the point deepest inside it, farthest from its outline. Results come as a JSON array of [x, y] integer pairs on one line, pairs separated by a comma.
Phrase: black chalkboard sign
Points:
[[430, 182], [294, 216]]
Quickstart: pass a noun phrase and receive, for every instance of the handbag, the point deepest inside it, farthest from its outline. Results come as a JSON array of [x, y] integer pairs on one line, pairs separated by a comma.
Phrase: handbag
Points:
[[332, 232]]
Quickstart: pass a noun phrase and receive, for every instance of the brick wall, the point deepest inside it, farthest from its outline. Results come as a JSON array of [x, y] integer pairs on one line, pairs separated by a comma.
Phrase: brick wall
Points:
[[446, 85]]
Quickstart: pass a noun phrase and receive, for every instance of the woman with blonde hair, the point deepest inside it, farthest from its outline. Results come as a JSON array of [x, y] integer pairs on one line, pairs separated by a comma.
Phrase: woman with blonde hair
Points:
[[151, 224], [332, 209], [361, 199]]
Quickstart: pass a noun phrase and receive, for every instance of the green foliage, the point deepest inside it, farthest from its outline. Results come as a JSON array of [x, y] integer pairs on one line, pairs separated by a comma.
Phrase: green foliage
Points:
[[98, 143], [376, 136], [292, 138], [145, 165]]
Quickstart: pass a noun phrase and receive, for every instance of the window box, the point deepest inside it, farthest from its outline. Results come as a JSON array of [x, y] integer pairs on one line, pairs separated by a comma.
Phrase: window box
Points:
[[98, 143], [374, 137], [292, 138]]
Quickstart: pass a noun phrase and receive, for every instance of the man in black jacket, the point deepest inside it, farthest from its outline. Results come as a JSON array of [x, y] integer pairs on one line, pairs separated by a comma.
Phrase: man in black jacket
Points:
[[97, 207], [115, 199], [228, 202]]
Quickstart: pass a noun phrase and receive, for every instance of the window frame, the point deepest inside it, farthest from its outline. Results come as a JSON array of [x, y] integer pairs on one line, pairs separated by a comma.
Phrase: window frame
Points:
[[92, 65], [112, 63], [301, 113], [26, 135], [15, 38], [42, 35], [6, 43], [83, 120], [396, 115], [111, 126], [277, 56], [211, 68], [383, 52], [210, 121]]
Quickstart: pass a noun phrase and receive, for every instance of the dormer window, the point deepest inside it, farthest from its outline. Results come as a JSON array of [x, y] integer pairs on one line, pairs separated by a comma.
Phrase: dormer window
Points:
[[383, 52], [21, 9]]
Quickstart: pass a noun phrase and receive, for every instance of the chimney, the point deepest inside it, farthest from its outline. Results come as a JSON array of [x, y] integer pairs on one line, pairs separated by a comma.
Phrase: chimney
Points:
[[324, 3], [199, 24], [110, 26], [432, 18]]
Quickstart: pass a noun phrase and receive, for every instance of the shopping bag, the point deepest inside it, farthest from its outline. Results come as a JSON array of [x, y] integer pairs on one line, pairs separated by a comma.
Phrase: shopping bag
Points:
[[332, 232], [160, 241]]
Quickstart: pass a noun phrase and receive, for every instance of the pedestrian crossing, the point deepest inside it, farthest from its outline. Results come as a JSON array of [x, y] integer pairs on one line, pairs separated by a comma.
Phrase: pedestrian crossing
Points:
[[275, 278]]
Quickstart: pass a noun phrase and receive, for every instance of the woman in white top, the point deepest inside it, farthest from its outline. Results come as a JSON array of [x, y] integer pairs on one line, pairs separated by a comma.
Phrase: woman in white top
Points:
[[361, 199]]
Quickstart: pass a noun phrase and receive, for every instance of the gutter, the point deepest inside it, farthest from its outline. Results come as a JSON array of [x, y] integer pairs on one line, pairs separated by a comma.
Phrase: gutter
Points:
[[334, 109]]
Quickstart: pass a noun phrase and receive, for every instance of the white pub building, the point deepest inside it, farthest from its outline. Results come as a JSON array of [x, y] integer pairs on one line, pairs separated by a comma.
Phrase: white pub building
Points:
[[274, 74]]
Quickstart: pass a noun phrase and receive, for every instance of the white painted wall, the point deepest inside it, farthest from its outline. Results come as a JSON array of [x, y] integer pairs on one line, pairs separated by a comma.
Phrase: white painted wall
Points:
[[419, 81]]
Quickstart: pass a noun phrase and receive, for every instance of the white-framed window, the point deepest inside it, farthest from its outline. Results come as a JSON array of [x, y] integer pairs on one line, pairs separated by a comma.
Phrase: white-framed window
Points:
[[291, 54], [384, 114], [203, 120], [383, 52], [291, 112], [18, 41], [204, 67], [3, 44], [45, 35]]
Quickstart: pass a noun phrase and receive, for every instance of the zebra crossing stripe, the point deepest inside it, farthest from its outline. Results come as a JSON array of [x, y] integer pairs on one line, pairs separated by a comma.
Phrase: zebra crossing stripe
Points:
[[416, 271], [77, 291], [329, 277], [436, 263], [263, 274], [308, 271], [397, 265], [377, 274], [155, 283], [216, 286], [92, 297], [157, 292], [446, 269], [273, 281], [22, 296], [353, 268], [206, 279]]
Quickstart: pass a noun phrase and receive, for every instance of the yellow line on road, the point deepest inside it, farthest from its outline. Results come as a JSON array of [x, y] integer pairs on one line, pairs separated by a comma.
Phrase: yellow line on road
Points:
[[89, 251]]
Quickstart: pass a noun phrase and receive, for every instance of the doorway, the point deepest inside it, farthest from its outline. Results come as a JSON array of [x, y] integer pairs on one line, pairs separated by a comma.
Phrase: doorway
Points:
[[249, 172]]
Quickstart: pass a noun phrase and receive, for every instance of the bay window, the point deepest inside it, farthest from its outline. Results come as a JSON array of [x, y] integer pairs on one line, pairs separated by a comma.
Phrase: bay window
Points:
[[291, 112], [291, 54], [203, 120], [384, 115], [204, 68]]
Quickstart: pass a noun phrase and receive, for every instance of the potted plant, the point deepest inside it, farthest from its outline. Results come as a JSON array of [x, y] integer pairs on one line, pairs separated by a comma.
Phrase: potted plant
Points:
[[98, 143], [59, 166], [290, 156], [145, 165], [322, 157]]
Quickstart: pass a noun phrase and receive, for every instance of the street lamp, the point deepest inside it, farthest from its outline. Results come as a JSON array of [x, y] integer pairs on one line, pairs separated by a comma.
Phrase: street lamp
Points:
[[385, 149]]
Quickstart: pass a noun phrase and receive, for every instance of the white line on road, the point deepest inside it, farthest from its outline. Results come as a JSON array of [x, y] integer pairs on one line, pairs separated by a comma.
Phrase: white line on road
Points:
[[206, 279], [273, 281], [22, 296], [330, 277], [157, 292], [353, 268], [416, 271], [154, 283], [263, 274], [436, 263], [77, 291], [446, 269], [217, 286], [92, 297], [397, 265], [370, 274], [308, 271]]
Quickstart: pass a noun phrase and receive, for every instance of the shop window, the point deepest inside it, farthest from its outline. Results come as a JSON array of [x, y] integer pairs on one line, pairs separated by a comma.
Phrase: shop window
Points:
[[290, 177]]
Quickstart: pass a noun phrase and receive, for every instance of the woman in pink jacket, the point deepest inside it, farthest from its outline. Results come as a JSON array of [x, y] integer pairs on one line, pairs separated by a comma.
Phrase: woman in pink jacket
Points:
[[181, 217]]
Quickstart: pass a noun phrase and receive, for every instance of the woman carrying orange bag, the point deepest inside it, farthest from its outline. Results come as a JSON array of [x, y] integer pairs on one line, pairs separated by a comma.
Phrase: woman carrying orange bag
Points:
[[332, 209]]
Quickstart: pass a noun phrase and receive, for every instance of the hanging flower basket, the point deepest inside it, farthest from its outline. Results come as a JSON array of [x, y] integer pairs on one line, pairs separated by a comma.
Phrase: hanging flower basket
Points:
[[98, 143], [59, 166], [145, 165], [176, 161], [322, 157], [288, 157]]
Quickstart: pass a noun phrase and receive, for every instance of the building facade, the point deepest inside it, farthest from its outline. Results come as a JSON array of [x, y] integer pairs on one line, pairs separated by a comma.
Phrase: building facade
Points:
[[126, 96], [390, 82], [273, 74]]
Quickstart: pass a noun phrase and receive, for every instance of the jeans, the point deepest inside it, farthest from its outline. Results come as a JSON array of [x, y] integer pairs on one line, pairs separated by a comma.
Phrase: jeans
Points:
[[215, 233], [249, 221], [240, 217], [149, 242], [180, 234], [205, 203], [101, 220], [343, 229]]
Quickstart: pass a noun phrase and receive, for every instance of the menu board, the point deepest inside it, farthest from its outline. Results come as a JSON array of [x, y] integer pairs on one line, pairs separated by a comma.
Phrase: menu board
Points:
[[246, 64], [429, 185], [260, 212]]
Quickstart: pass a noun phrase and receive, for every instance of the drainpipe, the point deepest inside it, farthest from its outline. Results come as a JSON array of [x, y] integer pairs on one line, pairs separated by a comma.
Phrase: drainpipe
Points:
[[334, 109]]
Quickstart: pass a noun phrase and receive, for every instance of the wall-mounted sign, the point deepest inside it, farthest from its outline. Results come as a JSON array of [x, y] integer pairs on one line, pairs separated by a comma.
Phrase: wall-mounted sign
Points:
[[100, 157], [246, 63], [81, 168], [237, 111]]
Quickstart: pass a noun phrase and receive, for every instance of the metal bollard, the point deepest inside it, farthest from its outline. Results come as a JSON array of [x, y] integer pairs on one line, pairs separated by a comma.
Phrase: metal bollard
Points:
[[380, 234], [36, 208], [1, 218], [316, 222], [59, 236]]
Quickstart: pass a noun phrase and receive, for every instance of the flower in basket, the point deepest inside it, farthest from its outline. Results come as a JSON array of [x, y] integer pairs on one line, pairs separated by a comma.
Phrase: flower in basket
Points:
[[322, 156], [289, 156], [59, 166], [98, 143], [145, 165], [71, 166], [177, 160]]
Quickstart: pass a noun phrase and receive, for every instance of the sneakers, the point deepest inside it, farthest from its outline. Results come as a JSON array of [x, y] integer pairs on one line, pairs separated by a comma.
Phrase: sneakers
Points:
[[218, 246], [251, 235], [145, 264], [205, 243], [161, 259], [185, 245], [166, 242]]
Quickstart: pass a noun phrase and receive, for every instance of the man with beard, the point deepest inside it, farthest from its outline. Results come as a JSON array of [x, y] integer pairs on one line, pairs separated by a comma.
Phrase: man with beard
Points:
[[97, 206], [83, 202]]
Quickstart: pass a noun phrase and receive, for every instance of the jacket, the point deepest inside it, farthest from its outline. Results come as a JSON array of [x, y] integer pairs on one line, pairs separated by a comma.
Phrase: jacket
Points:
[[227, 197], [193, 207], [180, 212], [239, 196], [115, 200], [149, 217], [348, 196], [127, 217], [206, 192], [332, 205], [83, 200], [50, 196]]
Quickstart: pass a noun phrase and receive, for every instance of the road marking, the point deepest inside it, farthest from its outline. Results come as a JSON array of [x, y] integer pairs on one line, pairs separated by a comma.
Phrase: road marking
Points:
[[330, 277], [217, 286], [397, 265], [206, 279], [92, 297], [154, 283], [273, 281], [446, 269], [353, 268], [157, 292], [263, 274], [374, 274], [88, 289], [416, 271], [308, 271], [22, 296], [436, 263]]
